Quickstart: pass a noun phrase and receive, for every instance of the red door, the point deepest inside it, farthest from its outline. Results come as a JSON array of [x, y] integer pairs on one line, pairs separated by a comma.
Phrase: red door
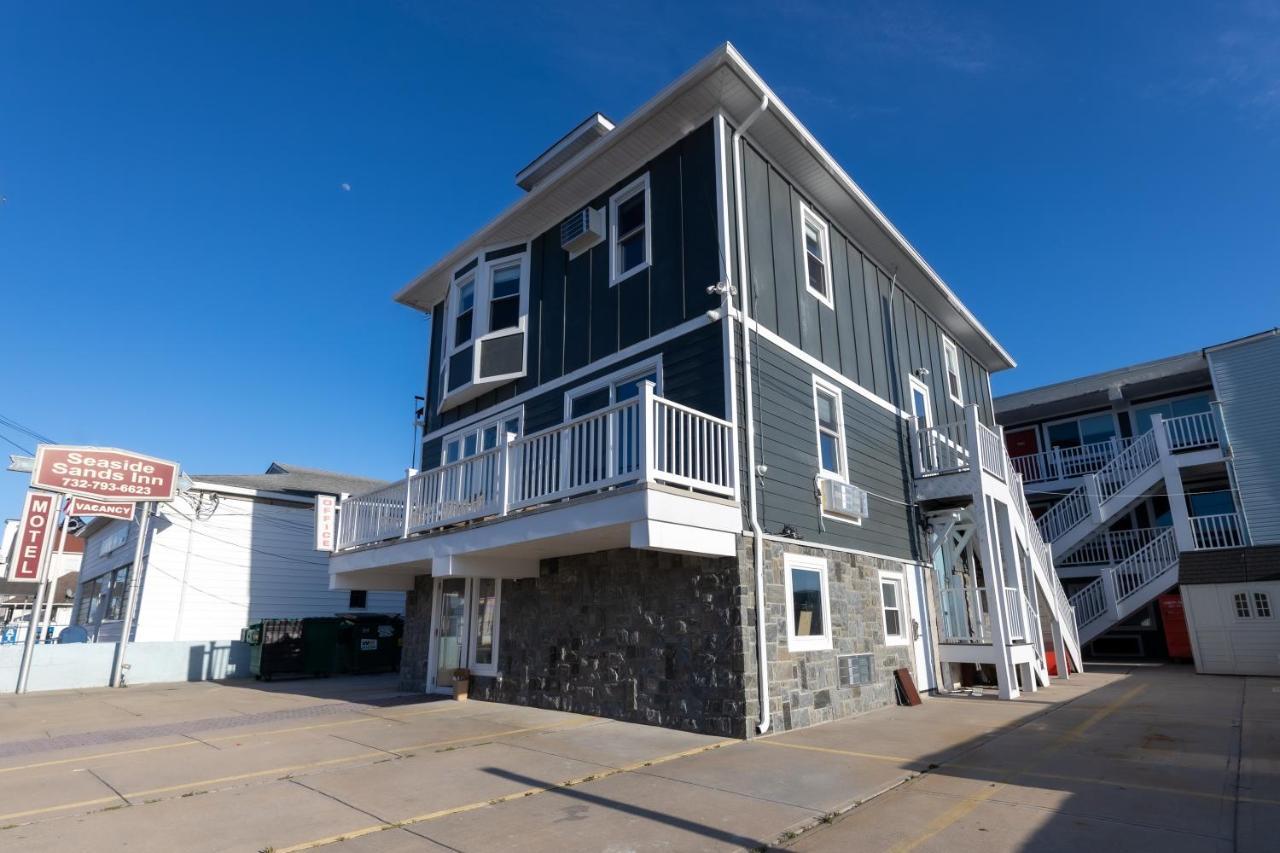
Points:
[[1020, 442]]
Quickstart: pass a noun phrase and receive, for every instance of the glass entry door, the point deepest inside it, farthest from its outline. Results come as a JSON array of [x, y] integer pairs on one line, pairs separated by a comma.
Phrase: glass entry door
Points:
[[450, 630]]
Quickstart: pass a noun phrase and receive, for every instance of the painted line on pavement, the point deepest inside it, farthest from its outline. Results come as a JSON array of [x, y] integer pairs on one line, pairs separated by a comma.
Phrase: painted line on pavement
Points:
[[494, 801], [969, 804], [284, 770], [893, 759]]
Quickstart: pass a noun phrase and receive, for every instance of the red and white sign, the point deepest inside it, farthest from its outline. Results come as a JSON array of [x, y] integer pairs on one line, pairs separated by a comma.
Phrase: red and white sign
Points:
[[33, 535], [326, 512], [104, 472], [85, 507]]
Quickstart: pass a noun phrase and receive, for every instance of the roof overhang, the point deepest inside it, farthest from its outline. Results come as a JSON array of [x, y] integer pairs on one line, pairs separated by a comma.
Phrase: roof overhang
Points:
[[722, 82]]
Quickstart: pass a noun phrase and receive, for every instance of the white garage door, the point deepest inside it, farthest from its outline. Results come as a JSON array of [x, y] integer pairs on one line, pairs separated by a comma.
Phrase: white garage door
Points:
[[1235, 628]]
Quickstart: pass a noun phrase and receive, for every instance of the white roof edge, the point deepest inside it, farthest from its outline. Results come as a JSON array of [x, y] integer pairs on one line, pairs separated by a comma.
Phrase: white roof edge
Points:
[[725, 53], [597, 123], [1247, 339]]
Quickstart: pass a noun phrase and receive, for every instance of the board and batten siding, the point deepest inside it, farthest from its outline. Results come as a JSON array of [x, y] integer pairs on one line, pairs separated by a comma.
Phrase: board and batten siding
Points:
[[786, 442], [1245, 377], [575, 316], [208, 578], [692, 375], [875, 334]]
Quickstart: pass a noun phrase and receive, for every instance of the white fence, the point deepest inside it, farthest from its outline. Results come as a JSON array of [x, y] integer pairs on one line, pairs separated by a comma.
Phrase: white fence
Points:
[[1189, 432], [1062, 463], [1217, 531], [647, 439]]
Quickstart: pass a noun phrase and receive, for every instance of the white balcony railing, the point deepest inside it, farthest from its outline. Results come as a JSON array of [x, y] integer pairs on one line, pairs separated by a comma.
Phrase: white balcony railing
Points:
[[1191, 432], [965, 617], [1013, 603], [1217, 531], [941, 449], [1111, 547], [1063, 463], [647, 439]]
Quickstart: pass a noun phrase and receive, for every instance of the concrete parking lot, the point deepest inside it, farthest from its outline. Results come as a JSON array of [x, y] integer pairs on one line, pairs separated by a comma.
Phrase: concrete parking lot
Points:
[[1147, 758]]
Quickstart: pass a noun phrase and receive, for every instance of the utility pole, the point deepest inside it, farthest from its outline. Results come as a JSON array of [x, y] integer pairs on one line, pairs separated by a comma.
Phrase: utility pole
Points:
[[135, 576]]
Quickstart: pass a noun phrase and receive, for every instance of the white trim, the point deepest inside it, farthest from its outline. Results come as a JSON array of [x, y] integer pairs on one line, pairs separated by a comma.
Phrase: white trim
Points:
[[639, 185], [903, 561], [610, 381], [451, 311], [917, 385], [804, 562], [809, 216], [687, 327], [516, 412], [898, 580], [828, 372], [842, 463], [950, 355], [473, 625], [727, 277]]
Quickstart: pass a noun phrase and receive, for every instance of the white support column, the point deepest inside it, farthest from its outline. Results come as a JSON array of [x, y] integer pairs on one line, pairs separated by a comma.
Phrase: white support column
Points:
[[1060, 653], [647, 426], [504, 472], [1013, 578], [408, 498], [1173, 487], [989, 549]]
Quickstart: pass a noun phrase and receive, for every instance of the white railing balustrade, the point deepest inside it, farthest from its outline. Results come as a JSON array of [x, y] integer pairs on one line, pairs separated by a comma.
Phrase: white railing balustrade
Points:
[[646, 439], [1110, 547], [991, 452], [1144, 566], [1217, 531], [1062, 463], [1017, 618], [1128, 465], [1065, 514], [1189, 432], [1090, 602], [941, 449]]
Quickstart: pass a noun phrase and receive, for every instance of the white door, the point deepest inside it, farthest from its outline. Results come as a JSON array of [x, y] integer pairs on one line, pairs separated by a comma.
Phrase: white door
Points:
[[921, 629], [448, 648]]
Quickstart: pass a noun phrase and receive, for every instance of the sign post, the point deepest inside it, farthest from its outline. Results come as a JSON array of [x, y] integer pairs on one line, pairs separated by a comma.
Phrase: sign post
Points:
[[32, 563], [101, 481], [47, 623]]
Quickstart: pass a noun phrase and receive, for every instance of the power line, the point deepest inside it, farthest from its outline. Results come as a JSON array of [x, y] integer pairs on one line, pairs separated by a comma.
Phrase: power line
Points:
[[15, 444], [26, 430]]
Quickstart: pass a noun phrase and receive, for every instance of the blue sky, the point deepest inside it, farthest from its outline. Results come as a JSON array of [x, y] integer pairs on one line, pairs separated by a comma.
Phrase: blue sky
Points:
[[207, 206]]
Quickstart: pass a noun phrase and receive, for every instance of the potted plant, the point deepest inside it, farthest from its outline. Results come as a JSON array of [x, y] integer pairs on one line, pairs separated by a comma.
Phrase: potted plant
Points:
[[461, 683]]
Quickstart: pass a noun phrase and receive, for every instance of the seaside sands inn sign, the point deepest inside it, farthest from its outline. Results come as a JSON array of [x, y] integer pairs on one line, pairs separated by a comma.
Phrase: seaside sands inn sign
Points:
[[104, 472]]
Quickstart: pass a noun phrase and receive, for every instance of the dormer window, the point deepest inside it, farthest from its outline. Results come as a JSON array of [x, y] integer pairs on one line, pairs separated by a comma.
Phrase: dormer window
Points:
[[486, 325]]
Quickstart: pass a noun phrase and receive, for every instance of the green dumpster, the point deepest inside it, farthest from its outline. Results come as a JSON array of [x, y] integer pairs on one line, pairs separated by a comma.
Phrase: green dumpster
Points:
[[371, 642], [275, 647], [320, 645]]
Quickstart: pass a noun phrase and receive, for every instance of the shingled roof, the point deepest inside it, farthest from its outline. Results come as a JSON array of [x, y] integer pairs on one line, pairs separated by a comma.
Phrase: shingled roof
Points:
[[293, 479], [1230, 565]]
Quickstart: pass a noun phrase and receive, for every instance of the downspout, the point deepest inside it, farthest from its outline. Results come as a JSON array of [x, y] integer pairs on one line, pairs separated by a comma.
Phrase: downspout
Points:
[[744, 315]]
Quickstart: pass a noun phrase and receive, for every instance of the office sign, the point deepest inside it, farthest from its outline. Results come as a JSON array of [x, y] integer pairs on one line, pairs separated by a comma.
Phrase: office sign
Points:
[[34, 532], [85, 507], [104, 472], [326, 512]]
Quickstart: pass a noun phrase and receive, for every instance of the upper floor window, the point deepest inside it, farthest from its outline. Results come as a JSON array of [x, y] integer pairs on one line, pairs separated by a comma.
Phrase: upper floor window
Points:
[[504, 297], [478, 438], [629, 246], [464, 312], [830, 417], [951, 360], [817, 254], [615, 388]]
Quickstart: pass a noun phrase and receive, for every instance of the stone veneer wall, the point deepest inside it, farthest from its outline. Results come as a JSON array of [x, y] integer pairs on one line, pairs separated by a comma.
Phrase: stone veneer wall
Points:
[[635, 635], [804, 687], [417, 635]]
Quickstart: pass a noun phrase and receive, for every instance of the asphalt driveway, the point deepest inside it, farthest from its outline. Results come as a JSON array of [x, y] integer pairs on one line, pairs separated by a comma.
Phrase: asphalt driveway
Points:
[[1144, 758]]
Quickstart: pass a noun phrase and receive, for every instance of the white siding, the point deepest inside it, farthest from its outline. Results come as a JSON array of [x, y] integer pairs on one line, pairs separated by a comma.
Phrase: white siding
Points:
[[1224, 644], [1245, 377], [240, 561]]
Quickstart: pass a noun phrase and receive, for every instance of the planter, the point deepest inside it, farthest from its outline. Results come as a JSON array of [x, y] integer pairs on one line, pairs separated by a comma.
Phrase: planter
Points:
[[461, 684]]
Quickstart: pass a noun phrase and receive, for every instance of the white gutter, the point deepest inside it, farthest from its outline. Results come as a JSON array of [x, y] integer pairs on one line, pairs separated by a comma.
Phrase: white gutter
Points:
[[744, 308]]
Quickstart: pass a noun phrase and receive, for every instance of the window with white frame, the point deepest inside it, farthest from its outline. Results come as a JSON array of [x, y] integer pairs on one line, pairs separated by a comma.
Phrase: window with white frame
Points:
[[1242, 605], [504, 297], [477, 438], [829, 412], [951, 360], [630, 248], [464, 312], [816, 242], [1252, 605], [615, 388], [1262, 605], [486, 598], [808, 603], [484, 328], [895, 630]]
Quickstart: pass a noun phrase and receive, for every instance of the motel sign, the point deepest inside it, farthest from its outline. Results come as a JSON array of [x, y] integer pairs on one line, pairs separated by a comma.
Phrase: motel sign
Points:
[[104, 472]]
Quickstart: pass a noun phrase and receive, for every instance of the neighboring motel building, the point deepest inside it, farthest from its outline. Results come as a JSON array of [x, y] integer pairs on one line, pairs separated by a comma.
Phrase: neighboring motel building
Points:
[[1134, 472], [233, 549], [707, 444]]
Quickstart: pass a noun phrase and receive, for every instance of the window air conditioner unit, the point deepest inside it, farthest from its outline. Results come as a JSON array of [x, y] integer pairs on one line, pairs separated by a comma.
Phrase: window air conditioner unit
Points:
[[840, 498], [581, 231]]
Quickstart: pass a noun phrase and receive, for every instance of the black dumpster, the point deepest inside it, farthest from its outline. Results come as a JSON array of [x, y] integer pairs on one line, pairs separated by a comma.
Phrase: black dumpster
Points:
[[276, 648], [370, 642]]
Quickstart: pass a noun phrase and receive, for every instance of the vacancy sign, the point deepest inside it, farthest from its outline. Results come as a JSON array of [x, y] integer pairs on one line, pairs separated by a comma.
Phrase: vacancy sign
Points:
[[33, 534], [86, 507], [104, 472], [326, 510]]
